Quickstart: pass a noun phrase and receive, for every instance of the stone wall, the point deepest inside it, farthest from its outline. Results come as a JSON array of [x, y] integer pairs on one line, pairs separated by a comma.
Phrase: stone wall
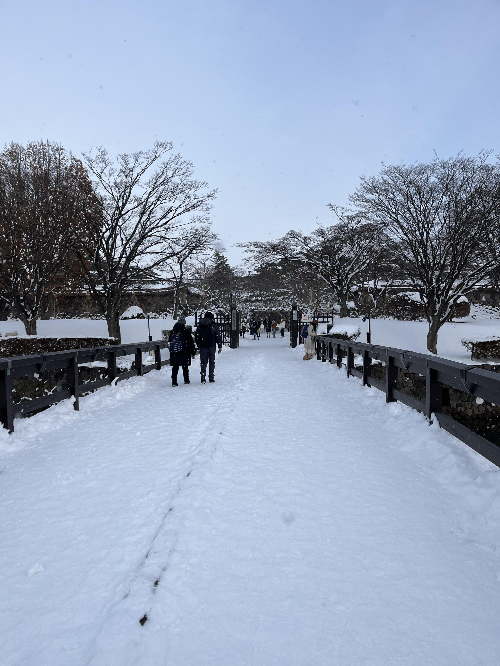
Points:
[[478, 415]]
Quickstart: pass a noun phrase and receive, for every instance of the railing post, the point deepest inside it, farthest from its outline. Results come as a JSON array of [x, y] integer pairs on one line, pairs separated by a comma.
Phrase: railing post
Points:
[[391, 376], [73, 380], [433, 393], [112, 365], [350, 361], [318, 349], [138, 361], [323, 351], [157, 357], [367, 361], [6, 405], [339, 355], [330, 351]]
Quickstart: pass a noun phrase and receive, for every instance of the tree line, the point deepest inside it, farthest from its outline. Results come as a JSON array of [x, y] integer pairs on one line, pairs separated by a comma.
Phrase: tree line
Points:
[[104, 224], [433, 227]]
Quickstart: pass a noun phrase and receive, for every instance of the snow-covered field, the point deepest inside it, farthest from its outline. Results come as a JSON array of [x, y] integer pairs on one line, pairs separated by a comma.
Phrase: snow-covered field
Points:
[[482, 323], [283, 516], [133, 330]]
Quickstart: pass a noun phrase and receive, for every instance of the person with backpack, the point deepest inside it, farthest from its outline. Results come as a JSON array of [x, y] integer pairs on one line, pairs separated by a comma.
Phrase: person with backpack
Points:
[[207, 337], [282, 328], [182, 348]]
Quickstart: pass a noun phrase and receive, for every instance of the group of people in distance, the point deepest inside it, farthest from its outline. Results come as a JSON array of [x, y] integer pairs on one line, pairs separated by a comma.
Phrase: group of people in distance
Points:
[[270, 326], [183, 345]]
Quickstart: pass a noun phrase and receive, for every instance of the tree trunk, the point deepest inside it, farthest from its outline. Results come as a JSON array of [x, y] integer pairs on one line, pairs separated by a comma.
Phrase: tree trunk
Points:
[[113, 320], [344, 310], [29, 325], [432, 335], [176, 304]]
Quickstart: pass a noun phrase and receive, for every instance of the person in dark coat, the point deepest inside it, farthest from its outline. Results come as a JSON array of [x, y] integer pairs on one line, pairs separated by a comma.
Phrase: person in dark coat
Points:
[[207, 337], [182, 348]]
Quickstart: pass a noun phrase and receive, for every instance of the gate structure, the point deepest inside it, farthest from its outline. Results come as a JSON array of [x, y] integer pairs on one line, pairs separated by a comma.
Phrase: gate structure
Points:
[[297, 323], [229, 326]]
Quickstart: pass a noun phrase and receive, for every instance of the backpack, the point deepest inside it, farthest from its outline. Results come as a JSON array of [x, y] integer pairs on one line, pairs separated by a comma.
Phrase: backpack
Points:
[[304, 332], [177, 343], [205, 336]]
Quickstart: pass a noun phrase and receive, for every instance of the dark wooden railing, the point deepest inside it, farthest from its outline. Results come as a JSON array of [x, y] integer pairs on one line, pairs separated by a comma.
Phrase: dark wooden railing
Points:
[[20, 366], [438, 372]]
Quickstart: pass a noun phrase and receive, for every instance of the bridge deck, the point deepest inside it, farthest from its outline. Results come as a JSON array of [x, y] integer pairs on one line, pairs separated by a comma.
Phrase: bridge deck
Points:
[[284, 515]]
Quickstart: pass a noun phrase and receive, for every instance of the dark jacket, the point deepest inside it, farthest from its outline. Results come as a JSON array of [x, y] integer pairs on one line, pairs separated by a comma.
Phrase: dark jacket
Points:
[[183, 357], [201, 336]]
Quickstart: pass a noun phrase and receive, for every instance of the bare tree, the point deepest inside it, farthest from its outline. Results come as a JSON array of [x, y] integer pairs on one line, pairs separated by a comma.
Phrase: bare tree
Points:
[[216, 280], [337, 254], [147, 199], [44, 194], [192, 244], [440, 215]]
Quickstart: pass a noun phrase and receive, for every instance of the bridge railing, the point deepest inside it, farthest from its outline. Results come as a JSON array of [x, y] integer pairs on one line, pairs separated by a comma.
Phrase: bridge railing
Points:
[[438, 373], [69, 361]]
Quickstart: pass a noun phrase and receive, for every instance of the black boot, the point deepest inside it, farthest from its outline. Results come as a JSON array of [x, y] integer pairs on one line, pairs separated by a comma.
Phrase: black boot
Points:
[[211, 380], [185, 372], [203, 380], [174, 382]]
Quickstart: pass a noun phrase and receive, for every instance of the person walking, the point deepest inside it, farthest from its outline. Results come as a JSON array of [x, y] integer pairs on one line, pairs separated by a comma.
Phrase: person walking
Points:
[[274, 326], [268, 328], [182, 348], [309, 335], [207, 337], [282, 328], [243, 328], [257, 328]]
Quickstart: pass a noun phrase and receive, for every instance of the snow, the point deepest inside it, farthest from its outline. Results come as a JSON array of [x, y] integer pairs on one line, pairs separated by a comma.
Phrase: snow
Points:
[[412, 335], [133, 330], [480, 338], [350, 330], [132, 311], [283, 515]]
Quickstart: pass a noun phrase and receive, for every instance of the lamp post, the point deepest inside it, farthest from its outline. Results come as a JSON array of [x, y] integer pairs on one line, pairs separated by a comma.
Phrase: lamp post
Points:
[[369, 332], [294, 325]]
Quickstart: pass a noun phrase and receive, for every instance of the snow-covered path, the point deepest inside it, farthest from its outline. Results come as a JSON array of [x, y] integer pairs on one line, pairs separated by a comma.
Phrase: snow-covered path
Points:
[[282, 516]]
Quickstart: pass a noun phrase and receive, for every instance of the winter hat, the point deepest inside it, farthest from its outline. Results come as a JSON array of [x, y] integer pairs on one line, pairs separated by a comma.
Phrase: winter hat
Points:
[[181, 320], [209, 315]]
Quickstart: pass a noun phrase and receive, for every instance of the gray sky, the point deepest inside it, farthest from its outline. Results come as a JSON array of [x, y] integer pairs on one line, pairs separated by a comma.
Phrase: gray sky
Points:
[[281, 105]]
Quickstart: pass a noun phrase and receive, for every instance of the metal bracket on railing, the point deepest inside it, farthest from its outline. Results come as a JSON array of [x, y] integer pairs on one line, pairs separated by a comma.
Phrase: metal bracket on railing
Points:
[[402, 359], [9, 365], [463, 379], [43, 365]]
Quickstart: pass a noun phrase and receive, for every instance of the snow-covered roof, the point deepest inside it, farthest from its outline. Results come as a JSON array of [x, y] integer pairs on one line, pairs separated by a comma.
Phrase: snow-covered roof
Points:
[[132, 311]]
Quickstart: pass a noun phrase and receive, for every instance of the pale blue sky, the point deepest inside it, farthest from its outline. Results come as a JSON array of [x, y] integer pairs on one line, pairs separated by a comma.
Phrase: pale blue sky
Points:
[[280, 105]]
